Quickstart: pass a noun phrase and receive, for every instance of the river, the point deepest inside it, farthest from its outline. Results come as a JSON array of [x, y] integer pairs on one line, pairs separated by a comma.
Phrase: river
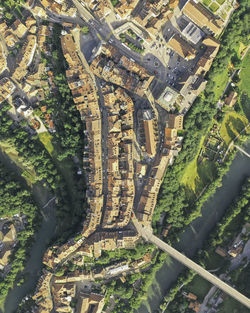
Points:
[[191, 239], [195, 234], [45, 233]]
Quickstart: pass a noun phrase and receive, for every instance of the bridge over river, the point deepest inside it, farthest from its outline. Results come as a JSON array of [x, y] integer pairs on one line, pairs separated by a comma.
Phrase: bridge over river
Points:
[[147, 234]]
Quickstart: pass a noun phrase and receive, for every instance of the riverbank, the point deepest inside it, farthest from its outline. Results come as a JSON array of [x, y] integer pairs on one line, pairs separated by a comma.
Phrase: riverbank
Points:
[[214, 256], [33, 266], [195, 234]]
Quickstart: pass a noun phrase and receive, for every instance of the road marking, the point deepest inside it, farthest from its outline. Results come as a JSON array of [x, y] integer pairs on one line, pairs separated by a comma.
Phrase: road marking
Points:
[[99, 36], [159, 80]]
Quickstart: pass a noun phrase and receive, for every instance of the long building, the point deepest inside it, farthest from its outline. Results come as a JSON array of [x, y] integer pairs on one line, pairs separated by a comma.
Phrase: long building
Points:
[[203, 17]]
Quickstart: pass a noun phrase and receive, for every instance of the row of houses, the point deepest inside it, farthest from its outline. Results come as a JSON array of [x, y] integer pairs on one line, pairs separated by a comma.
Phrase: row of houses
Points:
[[120, 171], [3, 59], [59, 7], [172, 146], [85, 97], [7, 87]]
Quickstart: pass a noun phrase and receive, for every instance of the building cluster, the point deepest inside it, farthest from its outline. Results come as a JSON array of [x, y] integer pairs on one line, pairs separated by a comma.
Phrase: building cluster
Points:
[[100, 8], [62, 295], [14, 34], [90, 303], [172, 140], [7, 87], [59, 293], [29, 37], [191, 85], [120, 167], [194, 43], [7, 242], [154, 14], [59, 7], [26, 57], [18, 34], [111, 240], [124, 8], [236, 247], [56, 255], [192, 299], [111, 66], [61, 290], [42, 295], [44, 32]]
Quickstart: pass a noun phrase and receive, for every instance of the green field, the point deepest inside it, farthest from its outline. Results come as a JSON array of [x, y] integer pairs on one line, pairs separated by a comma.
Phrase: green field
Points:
[[220, 1], [220, 80], [231, 126], [214, 7], [214, 260], [230, 305], [198, 175], [46, 138], [245, 74], [206, 2], [199, 287], [28, 171], [191, 176]]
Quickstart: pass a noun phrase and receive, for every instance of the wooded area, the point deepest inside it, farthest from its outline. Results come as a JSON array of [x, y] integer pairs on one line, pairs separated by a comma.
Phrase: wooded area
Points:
[[15, 199]]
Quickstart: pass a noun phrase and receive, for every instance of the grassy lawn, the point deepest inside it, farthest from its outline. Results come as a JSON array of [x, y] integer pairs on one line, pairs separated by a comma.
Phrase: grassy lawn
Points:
[[206, 2], [231, 126], [28, 171], [230, 305], [214, 261], [114, 2], [220, 80], [220, 1], [190, 175], [224, 15], [244, 74], [214, 7], [241, 50], [46, 138], [199, 287], [196, 176]]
